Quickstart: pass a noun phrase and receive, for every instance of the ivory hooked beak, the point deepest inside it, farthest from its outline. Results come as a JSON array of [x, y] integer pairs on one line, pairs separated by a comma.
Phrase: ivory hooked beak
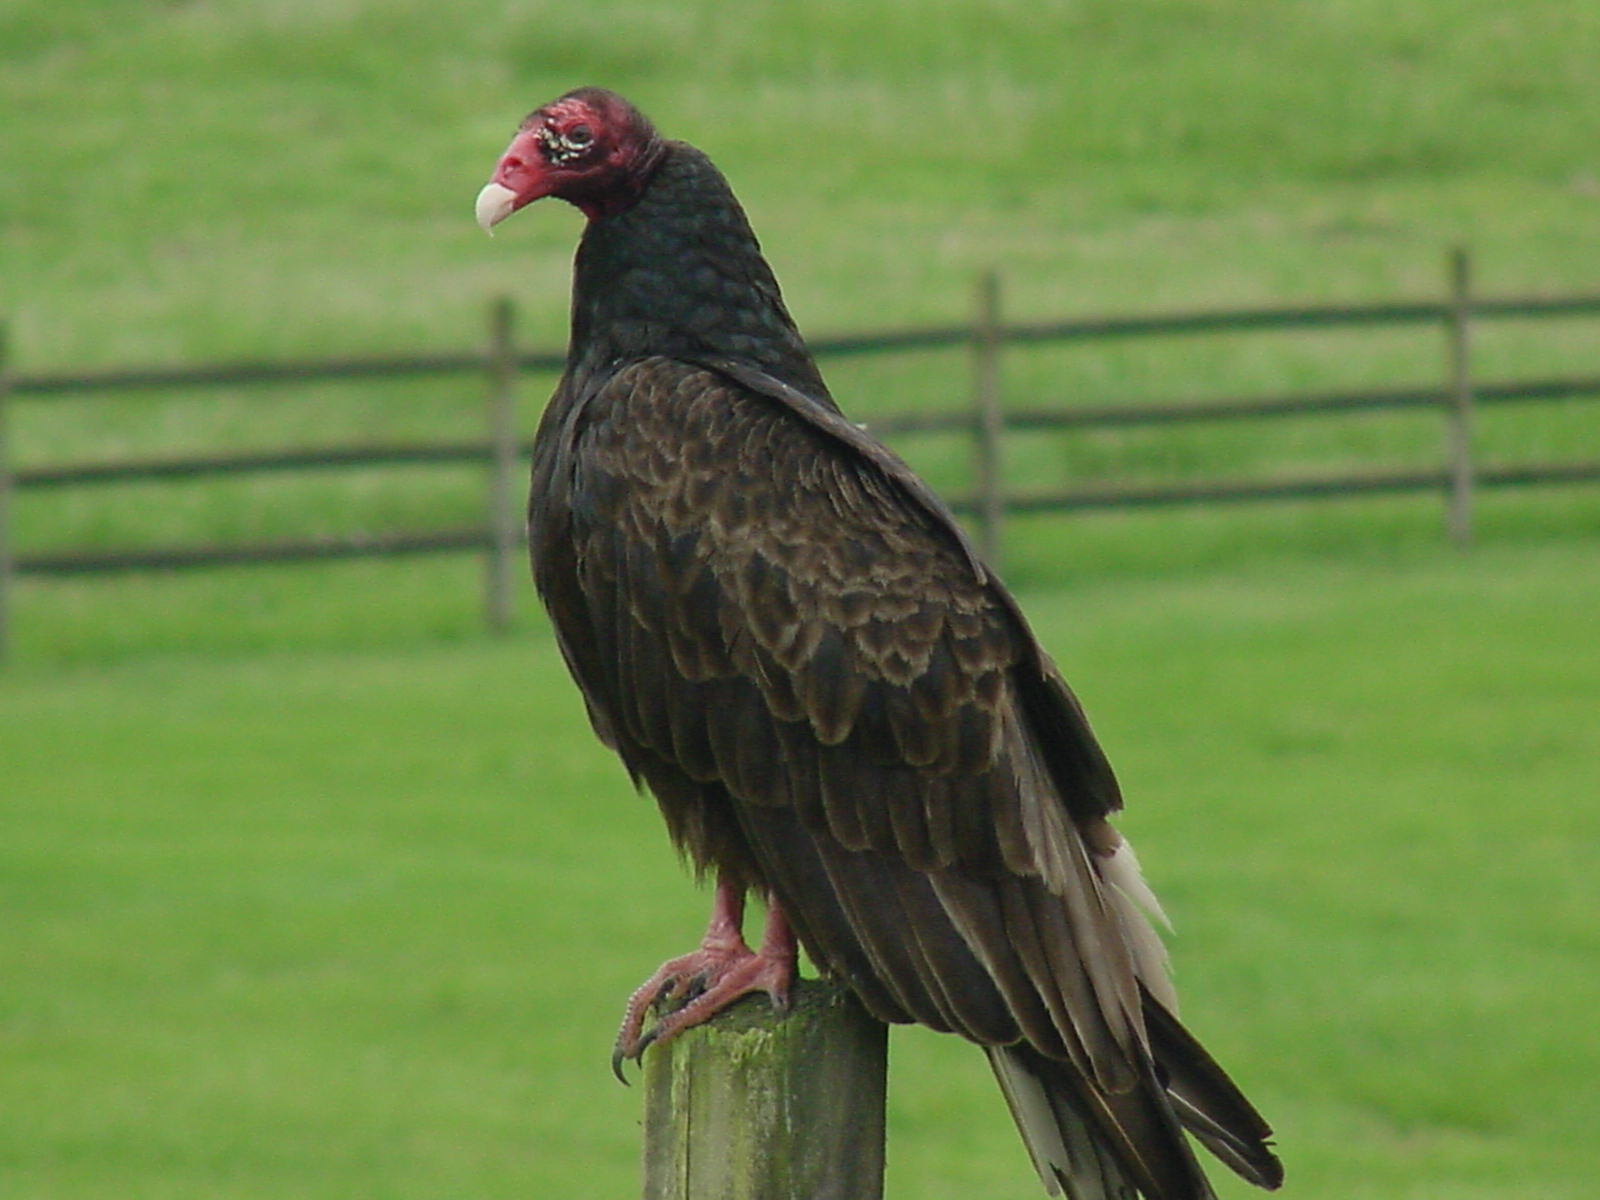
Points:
[[495, 203]]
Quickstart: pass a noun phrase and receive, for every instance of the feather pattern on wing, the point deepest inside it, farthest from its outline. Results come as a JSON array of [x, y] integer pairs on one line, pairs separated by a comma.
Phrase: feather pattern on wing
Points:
[[830, 701]]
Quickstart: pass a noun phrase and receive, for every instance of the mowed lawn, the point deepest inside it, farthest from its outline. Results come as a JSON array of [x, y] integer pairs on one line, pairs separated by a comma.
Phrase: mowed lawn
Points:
[[359, 922]]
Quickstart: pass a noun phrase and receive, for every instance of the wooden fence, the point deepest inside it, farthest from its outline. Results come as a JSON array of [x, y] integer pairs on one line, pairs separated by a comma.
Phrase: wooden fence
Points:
[[1457, 396]]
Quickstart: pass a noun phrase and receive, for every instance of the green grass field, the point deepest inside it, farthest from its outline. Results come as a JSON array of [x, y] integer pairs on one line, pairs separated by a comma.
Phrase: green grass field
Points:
[[358, 922], [308, 888]]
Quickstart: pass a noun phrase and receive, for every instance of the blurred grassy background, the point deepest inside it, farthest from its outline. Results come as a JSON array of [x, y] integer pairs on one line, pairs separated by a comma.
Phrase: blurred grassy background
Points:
[[358, 921], [307, 888]]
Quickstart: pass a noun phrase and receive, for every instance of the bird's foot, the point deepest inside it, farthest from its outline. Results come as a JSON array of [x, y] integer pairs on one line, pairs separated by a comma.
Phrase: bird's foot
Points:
[[687, 991]]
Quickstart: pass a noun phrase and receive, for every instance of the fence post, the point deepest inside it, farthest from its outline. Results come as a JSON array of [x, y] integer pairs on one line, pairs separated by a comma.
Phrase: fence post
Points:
[[7, 563], [505, 524], [1459, 415], [988, 418], [757, 1106]]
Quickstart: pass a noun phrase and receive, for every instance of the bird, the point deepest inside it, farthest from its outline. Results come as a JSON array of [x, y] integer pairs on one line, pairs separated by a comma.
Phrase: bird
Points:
[[792, 646]]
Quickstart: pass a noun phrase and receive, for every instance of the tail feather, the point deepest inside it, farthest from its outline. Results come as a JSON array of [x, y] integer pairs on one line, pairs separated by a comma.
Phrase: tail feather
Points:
[[1099, 1145], [1064, 1150], [1208, 1103]]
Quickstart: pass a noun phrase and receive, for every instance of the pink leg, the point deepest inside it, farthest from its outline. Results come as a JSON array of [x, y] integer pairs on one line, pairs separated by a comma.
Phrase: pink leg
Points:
[[694, 988]]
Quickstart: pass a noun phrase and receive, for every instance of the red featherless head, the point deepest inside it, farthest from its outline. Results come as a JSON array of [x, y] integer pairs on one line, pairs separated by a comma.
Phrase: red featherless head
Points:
[[590, 147]]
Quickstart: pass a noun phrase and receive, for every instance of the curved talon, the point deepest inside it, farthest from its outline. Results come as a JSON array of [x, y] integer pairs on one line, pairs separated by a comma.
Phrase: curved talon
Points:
[[646, 1040], [621, 1053], [687, 991], [696, 999]]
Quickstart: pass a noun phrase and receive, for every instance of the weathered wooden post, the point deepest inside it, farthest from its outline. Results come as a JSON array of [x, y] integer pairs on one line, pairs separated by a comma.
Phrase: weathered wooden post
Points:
[[1459, 434], [505, 523], [988, 419], [7, 564], [758, 1106]]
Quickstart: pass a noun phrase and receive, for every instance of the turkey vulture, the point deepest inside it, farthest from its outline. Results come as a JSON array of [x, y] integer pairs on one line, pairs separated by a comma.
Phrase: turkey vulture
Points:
[[787, 639]]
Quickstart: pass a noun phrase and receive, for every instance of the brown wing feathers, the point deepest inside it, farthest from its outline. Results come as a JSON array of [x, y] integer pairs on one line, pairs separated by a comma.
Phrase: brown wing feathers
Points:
[[830, 702], [861, 682]]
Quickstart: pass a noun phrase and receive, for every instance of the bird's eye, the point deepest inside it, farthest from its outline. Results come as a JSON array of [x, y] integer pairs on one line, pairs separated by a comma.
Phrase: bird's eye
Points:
[[562, 146]]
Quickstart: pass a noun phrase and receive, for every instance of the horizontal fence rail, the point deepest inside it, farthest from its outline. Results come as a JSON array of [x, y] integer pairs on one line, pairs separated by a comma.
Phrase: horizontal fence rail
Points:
[[355, 545], [247, 373], [986, 419], [1228, 491], [1298, 405], [377, 454], [380, 454]]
